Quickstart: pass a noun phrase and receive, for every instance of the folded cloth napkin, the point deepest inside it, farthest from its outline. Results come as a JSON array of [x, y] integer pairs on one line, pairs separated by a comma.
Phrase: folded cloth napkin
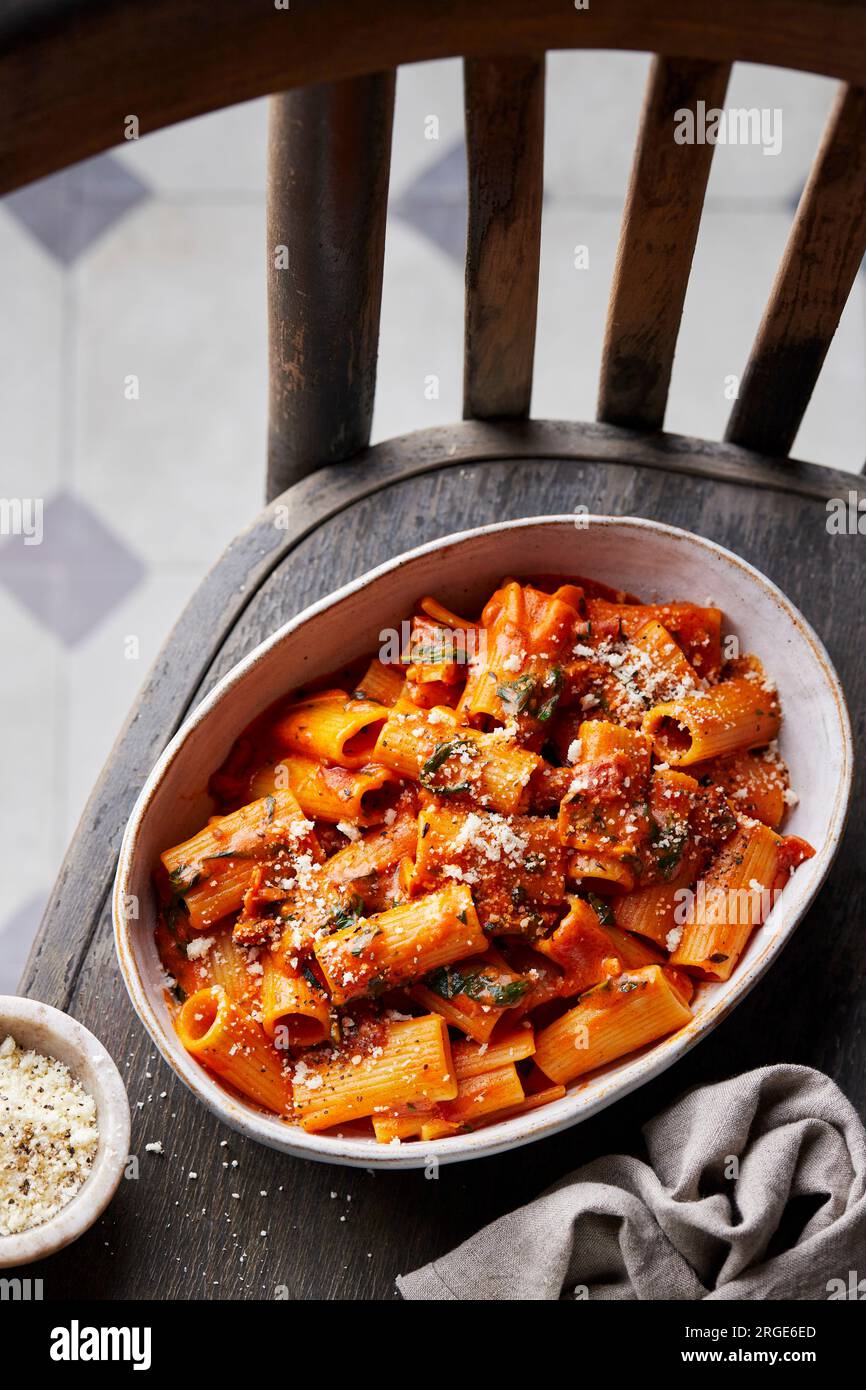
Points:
[[755, 1189]]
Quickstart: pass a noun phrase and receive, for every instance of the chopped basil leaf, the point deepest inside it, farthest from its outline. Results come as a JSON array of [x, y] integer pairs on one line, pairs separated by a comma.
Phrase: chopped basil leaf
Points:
[[449, 981]]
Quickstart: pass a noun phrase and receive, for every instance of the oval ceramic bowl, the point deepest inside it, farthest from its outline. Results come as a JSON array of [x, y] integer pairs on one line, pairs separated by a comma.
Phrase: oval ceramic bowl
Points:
[[644, 557], [40, 1028]]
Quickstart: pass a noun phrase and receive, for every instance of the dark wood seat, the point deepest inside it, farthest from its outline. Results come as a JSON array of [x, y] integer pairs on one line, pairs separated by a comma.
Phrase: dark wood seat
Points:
[[338, 507]]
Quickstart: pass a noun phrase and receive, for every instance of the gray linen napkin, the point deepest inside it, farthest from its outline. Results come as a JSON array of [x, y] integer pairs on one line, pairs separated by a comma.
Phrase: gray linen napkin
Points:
[[755, 1189]]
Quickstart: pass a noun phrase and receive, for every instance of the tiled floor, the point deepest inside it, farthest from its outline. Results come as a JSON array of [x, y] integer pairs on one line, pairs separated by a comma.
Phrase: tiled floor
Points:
[[132, 377]]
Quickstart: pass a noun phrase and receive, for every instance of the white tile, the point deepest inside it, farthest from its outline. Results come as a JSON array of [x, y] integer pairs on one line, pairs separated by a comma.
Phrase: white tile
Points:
[[804, 100], [176, 297], [31, 772], [833, 431], [225, 152], [592, 115], [572, 306], [31, 374], [17, 934], [222, 153], [422, 335], [429, 104], [594, 101], [735, 262], [105, 674]]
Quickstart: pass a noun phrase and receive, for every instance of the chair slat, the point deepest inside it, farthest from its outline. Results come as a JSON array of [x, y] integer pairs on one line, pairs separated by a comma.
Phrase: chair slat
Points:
[[815, 276], [657, 241], [505, 151], [329, 154]]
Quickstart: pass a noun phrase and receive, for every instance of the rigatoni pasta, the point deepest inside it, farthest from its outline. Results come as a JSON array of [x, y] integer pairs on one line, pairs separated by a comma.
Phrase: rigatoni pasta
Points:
[[614, 1018], [739, 713], [501, 853], [373, 954], [230, 1044], [404, 1063]]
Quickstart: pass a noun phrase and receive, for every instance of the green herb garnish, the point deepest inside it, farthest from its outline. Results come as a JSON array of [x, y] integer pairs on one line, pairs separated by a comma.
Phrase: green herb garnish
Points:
[[440, 755], [517, 695], [449, 981], [348, 915], [602, 909]]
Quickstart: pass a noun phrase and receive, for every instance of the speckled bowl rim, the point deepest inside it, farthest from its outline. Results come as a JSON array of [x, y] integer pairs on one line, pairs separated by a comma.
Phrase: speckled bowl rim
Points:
[[101, 1078], [575, 1106]]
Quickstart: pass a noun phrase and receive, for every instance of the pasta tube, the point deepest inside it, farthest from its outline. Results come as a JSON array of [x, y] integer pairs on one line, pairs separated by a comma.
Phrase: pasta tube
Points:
[[410, 1065], [529, 1102], [360, 796], [334, 726], [452, 761], [518, 675], [383, 684], [211, 872], [473, 1059], [735, 896], [295, 1009], [482, 1093], [605, 812], [600, 871], [393, 947], [515, 865], [652, 911], [393, 1129], [582, 948], [232, 1045], [668, 664], [472, 995], [698, 631], [610, 1021], [735, 714], [756, 783]]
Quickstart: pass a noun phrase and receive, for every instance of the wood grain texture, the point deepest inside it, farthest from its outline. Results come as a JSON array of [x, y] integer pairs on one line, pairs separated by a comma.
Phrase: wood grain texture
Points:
[[72, 70], [329, 156], [505, 156], [656, 245], [820, 263], [172, 1236]]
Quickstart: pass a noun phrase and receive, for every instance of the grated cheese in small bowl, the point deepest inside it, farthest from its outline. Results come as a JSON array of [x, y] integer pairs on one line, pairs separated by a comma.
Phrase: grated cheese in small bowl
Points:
[[48, 1137]]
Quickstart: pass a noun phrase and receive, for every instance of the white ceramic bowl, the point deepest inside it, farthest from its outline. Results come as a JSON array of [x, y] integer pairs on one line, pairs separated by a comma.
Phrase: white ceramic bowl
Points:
[[38, 1027], [645, 557]]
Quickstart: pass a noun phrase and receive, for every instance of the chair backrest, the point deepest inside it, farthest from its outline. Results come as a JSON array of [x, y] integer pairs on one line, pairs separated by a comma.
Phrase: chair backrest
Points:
[[71, 74]]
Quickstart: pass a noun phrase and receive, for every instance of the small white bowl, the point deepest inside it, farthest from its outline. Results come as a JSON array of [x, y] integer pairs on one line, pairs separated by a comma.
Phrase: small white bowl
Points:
[[40, 1028], [644, 557]]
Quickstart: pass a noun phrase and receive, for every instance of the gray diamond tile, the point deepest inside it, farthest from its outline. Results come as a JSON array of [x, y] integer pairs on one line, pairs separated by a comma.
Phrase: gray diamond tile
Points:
[[435, 203], [16, 938], [79, 573], [67, 212]]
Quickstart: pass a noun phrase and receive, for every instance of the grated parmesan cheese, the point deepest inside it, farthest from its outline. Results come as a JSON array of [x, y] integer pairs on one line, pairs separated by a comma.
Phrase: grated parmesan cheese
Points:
[[48, 1137], [199, 947]]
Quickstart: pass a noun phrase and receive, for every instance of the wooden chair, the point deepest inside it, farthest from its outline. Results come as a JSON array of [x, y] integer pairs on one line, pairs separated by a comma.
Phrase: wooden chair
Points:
[[69, 75]]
